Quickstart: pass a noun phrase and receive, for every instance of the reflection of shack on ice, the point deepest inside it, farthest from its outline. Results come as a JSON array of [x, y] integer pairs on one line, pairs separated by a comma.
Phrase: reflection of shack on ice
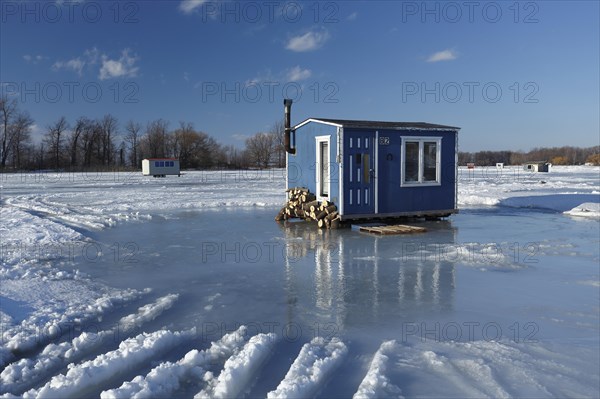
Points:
[[537, 166], [354, 280], [371, 169]]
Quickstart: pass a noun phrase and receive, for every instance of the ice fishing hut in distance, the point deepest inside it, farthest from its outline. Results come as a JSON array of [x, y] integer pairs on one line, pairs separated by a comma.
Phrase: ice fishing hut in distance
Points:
[[160, 167], [537, 166], [374, 170]]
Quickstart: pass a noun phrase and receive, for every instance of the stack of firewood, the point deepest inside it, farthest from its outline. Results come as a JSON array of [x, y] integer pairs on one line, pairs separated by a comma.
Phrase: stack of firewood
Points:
[[304, 205]]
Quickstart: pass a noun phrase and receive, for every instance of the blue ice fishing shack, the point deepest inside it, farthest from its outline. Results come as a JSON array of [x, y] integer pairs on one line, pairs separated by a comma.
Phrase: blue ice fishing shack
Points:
[[374, 170]]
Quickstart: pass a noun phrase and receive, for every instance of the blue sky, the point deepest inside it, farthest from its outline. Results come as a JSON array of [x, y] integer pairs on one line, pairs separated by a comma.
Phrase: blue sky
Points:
[[512, 75]]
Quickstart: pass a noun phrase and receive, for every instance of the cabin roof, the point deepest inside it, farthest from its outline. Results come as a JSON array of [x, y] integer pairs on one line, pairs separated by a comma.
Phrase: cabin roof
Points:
[[360, 124]]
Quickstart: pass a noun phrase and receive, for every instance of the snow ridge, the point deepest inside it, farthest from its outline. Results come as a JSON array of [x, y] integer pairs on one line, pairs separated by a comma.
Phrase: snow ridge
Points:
[[376, 384], [314, 364], [240, 369], [27, 372], [131, 353], [162, 380]]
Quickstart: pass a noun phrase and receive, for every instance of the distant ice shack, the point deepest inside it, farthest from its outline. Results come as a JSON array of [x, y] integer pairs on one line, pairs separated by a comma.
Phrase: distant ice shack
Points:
[[373, 169], [160, 167]]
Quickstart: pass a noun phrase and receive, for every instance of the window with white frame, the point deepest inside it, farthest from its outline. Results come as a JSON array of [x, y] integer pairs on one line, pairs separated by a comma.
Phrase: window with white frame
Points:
[[421, 160], [323, 172]]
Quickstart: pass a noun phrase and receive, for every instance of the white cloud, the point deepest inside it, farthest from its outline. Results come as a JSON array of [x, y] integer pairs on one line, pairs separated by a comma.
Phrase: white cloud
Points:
[[123, 67], [77, 64], [307, 42], [188, 6], [240, 137], [352, 16], [296, 74], [445, 55], [34, 59]]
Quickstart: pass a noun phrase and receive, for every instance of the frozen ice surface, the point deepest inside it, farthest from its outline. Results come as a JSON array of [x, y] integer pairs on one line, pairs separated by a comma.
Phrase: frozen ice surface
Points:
[[500, 300]]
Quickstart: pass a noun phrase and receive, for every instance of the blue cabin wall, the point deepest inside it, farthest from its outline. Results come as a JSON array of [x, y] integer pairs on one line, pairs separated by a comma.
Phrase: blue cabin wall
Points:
[[301, 166], [393, 198], [383, 195]]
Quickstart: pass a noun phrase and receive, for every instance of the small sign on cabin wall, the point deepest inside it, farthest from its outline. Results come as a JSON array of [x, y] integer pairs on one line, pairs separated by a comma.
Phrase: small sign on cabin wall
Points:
[[383, 140], [470, 165]]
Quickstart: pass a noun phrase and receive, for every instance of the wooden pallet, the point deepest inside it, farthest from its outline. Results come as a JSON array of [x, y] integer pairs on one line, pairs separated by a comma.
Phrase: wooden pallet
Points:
[[392, 229]]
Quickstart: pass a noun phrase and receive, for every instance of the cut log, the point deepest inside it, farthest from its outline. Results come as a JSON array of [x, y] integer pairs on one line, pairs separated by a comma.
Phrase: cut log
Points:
[[330, 209], [332, 216], [279, 216], [335, 223], [308, 206]]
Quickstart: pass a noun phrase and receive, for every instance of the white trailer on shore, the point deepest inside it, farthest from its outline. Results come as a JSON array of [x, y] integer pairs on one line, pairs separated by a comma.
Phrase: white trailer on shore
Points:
[[160, 167]]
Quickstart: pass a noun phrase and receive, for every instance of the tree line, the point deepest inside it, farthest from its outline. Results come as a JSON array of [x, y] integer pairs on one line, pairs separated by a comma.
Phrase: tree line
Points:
[[555, 155], [104, 143]]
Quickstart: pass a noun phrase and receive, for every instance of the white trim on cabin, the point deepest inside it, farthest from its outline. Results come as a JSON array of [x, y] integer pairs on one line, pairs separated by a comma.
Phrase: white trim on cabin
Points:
[[376, 177], [340, 160], [298, 126], [318, 141], [456, 170]]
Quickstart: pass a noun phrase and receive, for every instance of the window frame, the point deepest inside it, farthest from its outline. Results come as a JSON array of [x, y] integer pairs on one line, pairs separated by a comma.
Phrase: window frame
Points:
[[421, 166], [319, 194]]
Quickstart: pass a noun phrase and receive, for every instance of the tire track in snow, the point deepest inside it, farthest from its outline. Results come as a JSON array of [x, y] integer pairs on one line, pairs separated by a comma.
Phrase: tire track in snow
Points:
[[26, 373], [240, 369], [166, 378], [315, 363], [376, 384]]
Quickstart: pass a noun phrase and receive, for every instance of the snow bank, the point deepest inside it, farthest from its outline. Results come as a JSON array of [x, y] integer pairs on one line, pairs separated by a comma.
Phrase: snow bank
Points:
[[487, 186], [554, 202], [46, 298], [315, 362], [497, 369], [376, 384], [79, 199], [164, 379], [57, 305], [240, 369], [130, 354], [588, 209], [25, 373]]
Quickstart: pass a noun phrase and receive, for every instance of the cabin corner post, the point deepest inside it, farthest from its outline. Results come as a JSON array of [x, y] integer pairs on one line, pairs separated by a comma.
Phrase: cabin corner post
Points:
[[340, 159]]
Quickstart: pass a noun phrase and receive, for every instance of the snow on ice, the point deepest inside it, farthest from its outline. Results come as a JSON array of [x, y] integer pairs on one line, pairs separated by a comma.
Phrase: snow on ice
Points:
[[523, 252]]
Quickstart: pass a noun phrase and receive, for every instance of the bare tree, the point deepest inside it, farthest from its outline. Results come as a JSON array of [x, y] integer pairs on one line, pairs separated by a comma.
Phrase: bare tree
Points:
[[133, 139], [21, 137], [260, 149], [81, 126], [109, 130], [156, 138], [8, 111], [278, 132], [54, 139]]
